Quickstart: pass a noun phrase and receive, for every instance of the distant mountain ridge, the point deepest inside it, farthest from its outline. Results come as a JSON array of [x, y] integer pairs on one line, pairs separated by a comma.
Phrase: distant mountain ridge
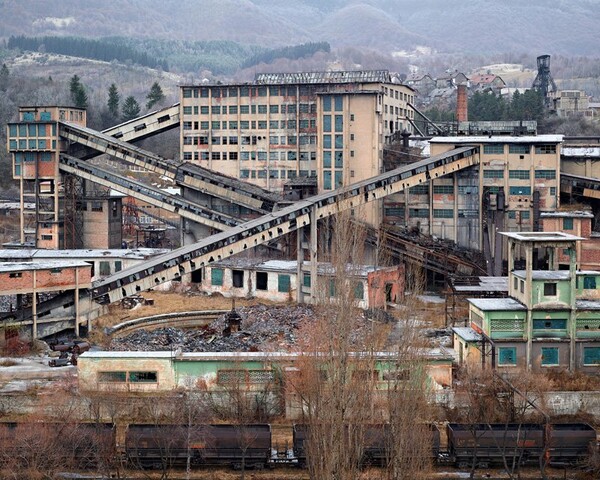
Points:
[[470, 26]]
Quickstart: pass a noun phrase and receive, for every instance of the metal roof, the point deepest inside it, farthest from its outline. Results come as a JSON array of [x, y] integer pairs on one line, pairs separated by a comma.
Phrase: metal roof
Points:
[[495, 304], [6, 267], [541, 236], [358, 76], [467, 333], [499, 139]]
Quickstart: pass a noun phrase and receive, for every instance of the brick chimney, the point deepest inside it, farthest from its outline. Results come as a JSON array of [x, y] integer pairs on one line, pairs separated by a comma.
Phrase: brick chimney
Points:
[[462, 109]]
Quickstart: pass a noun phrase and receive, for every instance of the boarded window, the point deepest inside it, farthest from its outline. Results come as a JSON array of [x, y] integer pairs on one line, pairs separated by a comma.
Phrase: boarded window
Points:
[[283, 283], [507, 356], [550, 356], [216, 277], [262, 280], [591, 355]]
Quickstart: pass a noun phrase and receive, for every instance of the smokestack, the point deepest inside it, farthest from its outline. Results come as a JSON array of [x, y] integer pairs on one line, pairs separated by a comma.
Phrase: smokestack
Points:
[[462, 109]]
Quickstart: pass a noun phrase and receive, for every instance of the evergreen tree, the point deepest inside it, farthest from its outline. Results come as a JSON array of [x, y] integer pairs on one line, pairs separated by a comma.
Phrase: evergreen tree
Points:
[[78, 95], [4, 74], [131, 108], [155, 96], [113, 100]]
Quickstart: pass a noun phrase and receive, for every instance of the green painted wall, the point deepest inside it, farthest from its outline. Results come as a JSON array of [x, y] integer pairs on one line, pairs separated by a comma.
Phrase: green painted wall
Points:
[[563, 288]]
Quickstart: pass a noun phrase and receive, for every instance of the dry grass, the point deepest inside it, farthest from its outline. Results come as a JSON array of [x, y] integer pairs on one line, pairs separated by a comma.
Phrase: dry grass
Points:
[[572, 381]]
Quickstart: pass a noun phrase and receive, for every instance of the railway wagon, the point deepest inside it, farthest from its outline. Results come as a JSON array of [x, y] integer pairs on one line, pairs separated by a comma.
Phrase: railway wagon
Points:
[[570, 443], [165, 446], [490, 444]]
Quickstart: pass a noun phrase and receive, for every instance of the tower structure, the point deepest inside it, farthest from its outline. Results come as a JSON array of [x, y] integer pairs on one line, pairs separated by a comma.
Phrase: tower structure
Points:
[[544, 83]]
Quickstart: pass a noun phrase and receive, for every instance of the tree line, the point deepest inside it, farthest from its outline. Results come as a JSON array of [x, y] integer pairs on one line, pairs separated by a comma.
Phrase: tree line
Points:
[[292, 53], [101, 49]]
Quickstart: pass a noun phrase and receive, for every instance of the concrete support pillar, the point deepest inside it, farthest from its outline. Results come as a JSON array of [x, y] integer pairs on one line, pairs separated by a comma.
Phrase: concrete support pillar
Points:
[[313, 254], [300, 262], [573, 311], [34, 307], [77, 302], [529, 319]]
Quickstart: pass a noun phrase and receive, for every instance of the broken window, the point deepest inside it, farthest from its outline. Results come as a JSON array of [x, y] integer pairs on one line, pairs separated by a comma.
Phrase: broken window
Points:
[[262, 280], [238, 278], [115, 377], [143, 377]]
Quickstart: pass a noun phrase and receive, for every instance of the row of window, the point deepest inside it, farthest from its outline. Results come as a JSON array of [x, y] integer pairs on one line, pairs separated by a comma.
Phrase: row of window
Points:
[[507, 356], [398, 95], [520, 174], [32, 130], [498, 149], [250, 140], [274, 173], [253, 124], [276, 155], [333, 179], [127, 377], [447, 213], [247, 91], [30, 144], [338, 123], [262, 109]]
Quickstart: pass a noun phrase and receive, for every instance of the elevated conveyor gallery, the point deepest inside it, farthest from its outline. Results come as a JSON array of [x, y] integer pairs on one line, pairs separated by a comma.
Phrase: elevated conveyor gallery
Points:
[[147, 125], [186, 175], [151, 195], [179, 262], [579, 186], [175, 264]]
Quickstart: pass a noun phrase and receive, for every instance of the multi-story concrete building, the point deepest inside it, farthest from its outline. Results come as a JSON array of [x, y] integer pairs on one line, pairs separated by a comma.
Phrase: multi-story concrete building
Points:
[[519, 175], [35, 145], [551, 318], [329, 125]]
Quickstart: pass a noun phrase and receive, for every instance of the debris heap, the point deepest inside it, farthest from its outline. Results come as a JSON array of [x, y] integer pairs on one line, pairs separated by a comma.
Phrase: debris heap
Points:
[[263, 328]]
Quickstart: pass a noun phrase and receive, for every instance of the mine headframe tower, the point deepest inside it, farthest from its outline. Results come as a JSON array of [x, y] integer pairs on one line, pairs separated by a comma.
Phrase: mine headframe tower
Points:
[[544, 83]]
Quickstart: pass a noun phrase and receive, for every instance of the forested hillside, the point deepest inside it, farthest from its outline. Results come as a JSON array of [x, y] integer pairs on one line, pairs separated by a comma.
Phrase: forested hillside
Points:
[[473, 27]]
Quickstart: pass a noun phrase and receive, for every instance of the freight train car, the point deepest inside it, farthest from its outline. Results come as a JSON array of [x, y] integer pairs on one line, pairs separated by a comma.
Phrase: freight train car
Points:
[[166, 446]]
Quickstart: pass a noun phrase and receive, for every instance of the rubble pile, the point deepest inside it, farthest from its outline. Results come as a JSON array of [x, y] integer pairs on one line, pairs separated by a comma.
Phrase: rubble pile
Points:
[[263, 328]]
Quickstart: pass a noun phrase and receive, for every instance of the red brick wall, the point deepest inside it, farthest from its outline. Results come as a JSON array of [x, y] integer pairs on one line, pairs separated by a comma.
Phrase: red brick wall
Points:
[[377, 285]]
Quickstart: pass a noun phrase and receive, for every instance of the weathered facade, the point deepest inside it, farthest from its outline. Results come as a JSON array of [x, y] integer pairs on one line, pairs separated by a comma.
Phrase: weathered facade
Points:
[[277, 280], [551, 318], [329, 125]]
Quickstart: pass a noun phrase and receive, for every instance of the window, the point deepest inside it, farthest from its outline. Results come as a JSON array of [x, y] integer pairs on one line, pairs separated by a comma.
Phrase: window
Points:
[[518, 174], [187, 110], [262, 109], [507, 356], [204, 125], [549, 324], [143, 377], [283, 283], [327, 104], [545, 149], [519, 191], [493, 148], [113, 377], [550, 356], [546, 174], [419, 190], [567, 224], [216, 277], [418, 212], [244, 109], [589, 283], [216, 156], [306, 280], [518, 148], [237, 278], [104, 268], [327, 123], [327, 179], [291, 108], [443, 213], [262, 280], [118, 266], [233, 155], [443, 189], [359, 291], [339, 141], [591, 355], [550, 289], [522, 286], [16, 275], [339, 123]]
